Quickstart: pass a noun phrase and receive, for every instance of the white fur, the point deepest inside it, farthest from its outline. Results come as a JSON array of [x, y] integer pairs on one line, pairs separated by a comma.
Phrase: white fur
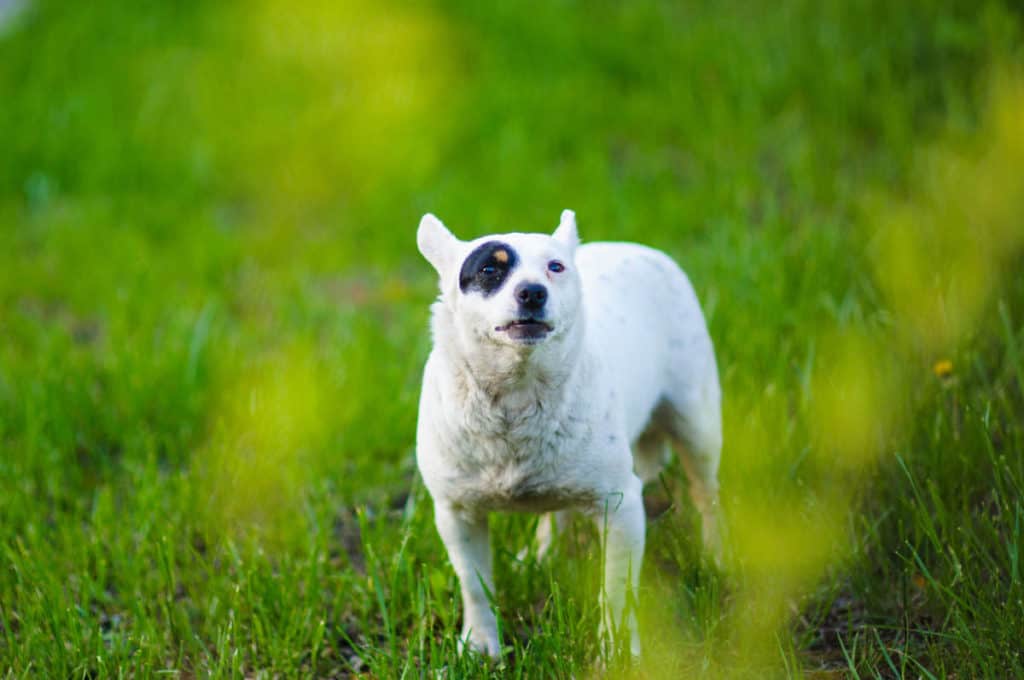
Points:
[[577, 420]]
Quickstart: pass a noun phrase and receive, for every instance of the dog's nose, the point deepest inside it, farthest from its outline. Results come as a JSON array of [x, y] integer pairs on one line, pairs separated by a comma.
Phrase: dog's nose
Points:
[[531, 296]]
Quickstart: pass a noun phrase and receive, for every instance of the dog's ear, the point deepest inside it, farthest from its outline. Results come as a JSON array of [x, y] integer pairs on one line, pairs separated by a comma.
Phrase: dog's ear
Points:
[[566, 232], [436, 243]]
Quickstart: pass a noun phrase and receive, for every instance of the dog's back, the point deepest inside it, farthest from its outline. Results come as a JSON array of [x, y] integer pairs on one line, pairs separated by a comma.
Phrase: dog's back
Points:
[[644, 320]]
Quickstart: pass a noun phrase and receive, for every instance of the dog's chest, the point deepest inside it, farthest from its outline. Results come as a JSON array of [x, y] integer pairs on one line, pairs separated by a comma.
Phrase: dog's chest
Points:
[[519, 487], [520, 456]]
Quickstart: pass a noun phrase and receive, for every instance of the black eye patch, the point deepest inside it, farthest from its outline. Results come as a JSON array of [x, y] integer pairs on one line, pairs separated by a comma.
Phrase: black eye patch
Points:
[[487, 267]]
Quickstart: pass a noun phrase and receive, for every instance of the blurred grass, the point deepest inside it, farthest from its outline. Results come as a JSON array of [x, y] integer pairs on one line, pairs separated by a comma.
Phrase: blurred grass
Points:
[[213, 321]]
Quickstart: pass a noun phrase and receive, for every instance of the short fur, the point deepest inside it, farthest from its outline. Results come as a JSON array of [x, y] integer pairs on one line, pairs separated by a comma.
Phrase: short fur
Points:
[[568, 406]]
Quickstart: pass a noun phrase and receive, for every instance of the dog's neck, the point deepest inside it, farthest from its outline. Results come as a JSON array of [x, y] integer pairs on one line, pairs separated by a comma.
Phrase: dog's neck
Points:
[[502, 371]]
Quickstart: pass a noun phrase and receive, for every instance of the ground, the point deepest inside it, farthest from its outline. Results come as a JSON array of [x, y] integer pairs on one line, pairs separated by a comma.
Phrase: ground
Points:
[[213, 320]]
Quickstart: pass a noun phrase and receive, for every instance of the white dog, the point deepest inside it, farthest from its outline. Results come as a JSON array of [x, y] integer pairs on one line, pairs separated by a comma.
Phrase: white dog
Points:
[[559, 377]]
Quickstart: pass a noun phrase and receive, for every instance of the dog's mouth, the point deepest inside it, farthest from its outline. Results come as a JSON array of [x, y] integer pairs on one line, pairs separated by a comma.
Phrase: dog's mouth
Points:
[[525, 330]]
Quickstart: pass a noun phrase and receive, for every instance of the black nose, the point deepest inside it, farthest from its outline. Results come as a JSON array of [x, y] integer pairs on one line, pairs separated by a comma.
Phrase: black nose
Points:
[[531, 296]]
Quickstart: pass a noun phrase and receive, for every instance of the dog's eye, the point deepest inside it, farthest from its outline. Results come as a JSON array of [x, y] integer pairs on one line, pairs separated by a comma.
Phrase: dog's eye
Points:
[[556, 266], [488, 269]]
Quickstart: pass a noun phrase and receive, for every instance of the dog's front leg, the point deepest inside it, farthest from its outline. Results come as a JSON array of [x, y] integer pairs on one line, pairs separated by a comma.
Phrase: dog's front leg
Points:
[[621, 522], [466, 538]]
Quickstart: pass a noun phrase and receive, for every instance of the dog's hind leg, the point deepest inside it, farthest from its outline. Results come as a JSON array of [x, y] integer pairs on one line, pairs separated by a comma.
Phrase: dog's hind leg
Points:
[[549, 526], [651, 452], [695, 423]]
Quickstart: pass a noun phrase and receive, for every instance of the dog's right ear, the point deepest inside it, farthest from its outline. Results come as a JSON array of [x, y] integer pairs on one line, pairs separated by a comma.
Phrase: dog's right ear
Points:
[[436, 243]]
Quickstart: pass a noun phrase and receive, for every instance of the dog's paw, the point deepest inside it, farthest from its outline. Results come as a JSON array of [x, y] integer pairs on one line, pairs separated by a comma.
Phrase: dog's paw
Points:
[[609, 664], [713, 544], [531, 555], [480, 643]]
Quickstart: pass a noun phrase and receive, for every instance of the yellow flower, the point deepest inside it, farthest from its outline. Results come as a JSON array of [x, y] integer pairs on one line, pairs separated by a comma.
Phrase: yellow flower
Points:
[[943, 368]]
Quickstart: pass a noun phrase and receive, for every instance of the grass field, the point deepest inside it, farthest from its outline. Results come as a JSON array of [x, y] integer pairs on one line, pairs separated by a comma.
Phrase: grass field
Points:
[[213, 322]]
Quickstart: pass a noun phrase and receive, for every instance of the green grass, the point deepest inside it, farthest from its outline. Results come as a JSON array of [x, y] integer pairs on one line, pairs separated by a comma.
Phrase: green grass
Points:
[[213, 320]]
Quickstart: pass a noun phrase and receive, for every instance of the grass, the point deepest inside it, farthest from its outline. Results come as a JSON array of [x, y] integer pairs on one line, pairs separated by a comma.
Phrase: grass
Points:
[[213, 321]]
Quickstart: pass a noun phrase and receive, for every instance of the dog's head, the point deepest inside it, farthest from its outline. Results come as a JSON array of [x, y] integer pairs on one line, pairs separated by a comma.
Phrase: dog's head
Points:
[[516, 290]]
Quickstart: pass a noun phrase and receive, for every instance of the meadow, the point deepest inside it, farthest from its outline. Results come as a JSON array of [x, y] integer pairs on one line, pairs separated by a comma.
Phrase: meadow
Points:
[[213, 320]]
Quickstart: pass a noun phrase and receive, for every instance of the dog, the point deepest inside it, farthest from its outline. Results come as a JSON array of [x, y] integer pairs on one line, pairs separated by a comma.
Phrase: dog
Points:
[[560, 377]]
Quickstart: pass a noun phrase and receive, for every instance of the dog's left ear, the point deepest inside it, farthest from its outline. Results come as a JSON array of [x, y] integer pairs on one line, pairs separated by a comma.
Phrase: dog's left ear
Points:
[[566, 232], [436, 243]]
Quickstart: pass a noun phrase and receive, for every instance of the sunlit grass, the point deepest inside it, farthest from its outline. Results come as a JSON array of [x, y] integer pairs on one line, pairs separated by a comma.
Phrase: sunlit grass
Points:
[[213, 324]]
